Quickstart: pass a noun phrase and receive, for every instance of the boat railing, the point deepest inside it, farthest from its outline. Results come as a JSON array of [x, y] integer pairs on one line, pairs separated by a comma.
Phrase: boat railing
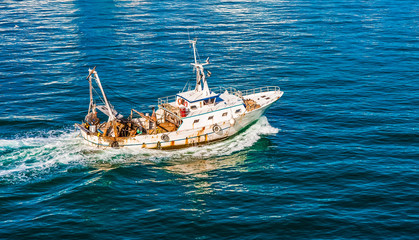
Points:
[[241, 93], [176, 119], [167, 99], [260, 90], [164, 103], [221, 90], [230, 90]]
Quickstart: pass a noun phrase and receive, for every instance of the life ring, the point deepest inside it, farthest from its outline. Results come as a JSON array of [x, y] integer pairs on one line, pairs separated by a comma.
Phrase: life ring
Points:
[[115, 144], [216, 128], [179, 102], [165, 137]]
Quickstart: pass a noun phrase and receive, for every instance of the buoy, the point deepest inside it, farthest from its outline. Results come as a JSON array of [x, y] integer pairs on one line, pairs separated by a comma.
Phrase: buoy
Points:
[[165, 137], [232, 121], [115, 144], [216, 128]]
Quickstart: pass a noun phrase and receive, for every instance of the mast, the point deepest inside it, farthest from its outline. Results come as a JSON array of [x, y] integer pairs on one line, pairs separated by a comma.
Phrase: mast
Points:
[[91, 94], [201, 82], [90, 89], [194, 49], [105, 99]]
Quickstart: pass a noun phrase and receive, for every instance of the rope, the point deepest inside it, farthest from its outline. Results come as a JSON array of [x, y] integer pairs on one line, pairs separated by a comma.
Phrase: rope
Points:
[[98, 95], [114, 92], [126, 99]]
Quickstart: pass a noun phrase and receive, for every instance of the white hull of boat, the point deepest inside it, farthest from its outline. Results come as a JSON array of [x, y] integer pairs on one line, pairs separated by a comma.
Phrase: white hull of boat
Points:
[[183, 138]]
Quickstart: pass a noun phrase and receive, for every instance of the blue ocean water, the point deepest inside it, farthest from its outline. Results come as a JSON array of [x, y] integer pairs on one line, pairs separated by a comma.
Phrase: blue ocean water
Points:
[[336, 158]]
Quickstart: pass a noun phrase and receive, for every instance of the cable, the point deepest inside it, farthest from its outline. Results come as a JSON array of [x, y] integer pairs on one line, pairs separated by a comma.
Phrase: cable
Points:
[[98, 94], [126, 99]]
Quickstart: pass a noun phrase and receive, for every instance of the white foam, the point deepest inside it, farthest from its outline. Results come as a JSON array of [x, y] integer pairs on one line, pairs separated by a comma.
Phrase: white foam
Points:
[[56, 152]]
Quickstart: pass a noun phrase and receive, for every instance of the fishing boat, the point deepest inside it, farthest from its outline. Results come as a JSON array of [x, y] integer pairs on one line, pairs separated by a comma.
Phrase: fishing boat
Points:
[[189, 118]]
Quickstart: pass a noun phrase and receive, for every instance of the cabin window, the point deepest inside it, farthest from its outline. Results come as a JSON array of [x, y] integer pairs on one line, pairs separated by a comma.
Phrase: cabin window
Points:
[[196, 121], [210, 117], [193, 107], [225, 114], [238, 110], [209, 101]]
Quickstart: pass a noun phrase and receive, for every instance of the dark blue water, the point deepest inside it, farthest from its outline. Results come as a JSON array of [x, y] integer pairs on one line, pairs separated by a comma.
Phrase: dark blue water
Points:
[[336, 158]]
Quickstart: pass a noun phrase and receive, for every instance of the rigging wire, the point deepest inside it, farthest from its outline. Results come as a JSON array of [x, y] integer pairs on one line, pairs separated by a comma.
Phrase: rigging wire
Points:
[[98, 95], [187, 83], [122, 97]]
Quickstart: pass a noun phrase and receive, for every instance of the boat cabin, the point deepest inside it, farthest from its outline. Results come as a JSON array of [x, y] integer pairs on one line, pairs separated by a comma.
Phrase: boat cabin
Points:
[[195, 100]]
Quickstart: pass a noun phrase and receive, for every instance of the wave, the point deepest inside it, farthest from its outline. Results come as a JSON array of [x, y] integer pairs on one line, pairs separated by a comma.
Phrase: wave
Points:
[[28, 158]]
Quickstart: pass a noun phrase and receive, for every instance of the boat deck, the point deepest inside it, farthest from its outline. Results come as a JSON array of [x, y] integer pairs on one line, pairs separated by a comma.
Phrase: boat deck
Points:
[[251, 105], [167, 127]]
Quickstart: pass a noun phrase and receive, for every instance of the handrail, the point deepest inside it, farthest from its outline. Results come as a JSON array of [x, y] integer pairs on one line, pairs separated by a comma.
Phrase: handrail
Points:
[[221, 89], [230, 90], [260, 90], [167, 99], [171, 113], [249, 91]]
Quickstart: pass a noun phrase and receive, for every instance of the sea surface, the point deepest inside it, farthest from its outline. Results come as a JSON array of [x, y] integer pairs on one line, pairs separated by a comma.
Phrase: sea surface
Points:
[[335, 158]]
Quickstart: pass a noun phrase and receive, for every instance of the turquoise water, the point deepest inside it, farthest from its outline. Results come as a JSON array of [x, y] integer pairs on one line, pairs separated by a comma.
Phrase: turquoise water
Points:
[[336, 158]]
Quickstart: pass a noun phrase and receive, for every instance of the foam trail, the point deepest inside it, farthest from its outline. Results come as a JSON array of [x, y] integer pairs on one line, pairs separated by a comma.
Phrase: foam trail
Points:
[[27, 157], [56, 152]]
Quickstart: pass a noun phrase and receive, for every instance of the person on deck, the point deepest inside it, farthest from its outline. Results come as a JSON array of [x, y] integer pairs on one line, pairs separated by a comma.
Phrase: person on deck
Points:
[[92, 118]]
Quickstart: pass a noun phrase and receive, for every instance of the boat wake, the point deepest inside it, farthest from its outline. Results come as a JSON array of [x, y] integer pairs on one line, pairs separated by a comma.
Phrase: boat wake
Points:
[[32, 158]]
